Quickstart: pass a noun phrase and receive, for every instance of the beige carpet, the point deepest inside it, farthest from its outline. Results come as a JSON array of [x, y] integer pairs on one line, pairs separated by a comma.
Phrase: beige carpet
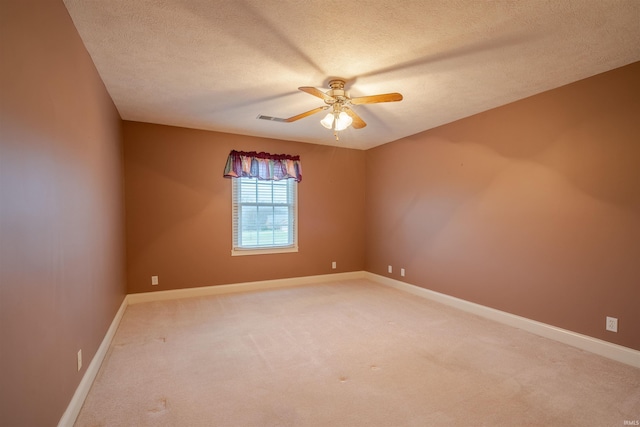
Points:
[[350, 353]]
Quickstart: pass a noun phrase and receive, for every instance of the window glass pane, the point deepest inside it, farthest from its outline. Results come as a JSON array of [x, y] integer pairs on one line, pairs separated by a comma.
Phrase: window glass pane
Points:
[[248, 226], [265, 225], [280, 192], [264, 191], [248, 190], [281, 234]]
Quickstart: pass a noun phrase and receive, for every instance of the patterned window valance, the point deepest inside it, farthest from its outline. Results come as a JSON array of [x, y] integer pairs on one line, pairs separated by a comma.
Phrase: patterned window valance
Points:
[[264, 166]]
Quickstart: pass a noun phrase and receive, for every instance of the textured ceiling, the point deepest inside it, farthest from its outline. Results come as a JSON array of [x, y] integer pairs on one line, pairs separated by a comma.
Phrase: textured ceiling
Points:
[[218, 64]]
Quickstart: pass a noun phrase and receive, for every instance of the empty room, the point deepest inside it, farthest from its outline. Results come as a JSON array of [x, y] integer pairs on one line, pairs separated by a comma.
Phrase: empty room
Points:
[[319, 213]]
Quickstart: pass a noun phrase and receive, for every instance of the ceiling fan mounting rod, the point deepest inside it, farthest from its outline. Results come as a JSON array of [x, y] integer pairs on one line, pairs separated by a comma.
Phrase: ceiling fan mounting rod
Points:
[[336, 84]]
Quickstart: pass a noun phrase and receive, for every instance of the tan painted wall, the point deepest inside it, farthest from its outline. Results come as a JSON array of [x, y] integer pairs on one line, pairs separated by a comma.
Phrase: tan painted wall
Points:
[[532, 208], [179, 209], [61, 213]]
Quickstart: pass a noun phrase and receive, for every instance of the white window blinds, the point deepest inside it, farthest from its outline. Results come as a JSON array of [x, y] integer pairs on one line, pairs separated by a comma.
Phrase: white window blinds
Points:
[[264, 216]]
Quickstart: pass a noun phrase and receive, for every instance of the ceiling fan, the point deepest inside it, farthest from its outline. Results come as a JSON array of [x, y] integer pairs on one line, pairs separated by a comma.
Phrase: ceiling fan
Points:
[[341, 114]]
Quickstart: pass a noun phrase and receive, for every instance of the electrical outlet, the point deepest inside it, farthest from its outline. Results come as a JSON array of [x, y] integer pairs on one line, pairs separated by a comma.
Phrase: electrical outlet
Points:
[[390, 269], [79, 360], [402, 272], [333, 265], [154, 280], [612, 324]]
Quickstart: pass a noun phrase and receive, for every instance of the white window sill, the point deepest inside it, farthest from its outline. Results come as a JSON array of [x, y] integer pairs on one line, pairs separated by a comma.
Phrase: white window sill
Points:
[[263, 251]]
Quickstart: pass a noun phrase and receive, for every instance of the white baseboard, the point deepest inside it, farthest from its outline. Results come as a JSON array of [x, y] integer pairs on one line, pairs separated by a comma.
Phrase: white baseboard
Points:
[[240, 287], [70, 415], [603, 348]]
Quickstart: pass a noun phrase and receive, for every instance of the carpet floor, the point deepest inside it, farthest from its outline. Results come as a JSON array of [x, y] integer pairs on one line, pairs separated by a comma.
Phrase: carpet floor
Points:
[[350, 353]]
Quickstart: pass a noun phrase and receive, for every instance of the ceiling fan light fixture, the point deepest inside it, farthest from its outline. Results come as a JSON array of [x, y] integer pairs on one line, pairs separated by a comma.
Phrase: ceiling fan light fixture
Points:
[[327, 121], [343, 121]]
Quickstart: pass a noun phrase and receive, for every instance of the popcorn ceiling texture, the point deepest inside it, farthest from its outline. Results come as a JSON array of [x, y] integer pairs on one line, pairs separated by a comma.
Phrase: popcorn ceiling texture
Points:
[[349, 353], [217, 65]]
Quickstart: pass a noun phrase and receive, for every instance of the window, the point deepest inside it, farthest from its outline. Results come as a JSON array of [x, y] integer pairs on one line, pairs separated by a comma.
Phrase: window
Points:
[[264, 216], [264, 200]]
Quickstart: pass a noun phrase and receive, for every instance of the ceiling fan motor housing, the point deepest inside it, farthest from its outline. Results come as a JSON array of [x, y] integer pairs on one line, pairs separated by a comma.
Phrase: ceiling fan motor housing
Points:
[[337, 91]]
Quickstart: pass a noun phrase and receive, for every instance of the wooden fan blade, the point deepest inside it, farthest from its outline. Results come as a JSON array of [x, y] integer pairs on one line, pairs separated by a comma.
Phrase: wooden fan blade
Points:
[[317, 92], [357, 123], [373, 99], [305, 114], [294, 118]]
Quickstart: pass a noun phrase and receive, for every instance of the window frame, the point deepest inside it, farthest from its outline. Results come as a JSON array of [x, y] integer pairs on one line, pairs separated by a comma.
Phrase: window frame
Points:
[[236, 249]]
